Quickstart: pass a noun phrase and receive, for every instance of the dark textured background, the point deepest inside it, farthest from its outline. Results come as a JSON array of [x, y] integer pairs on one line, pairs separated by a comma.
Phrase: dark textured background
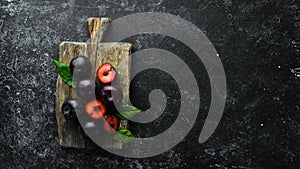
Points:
[[258, 42]]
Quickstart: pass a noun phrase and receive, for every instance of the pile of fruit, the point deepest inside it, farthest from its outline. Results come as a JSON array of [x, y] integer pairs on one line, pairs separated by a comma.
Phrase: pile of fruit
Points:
[[95, 104]]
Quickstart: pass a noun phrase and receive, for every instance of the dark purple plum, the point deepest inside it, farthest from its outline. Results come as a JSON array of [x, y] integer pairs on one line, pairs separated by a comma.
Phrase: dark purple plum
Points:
[[70, 107], [111, 95], [85, 89], [80, 67]]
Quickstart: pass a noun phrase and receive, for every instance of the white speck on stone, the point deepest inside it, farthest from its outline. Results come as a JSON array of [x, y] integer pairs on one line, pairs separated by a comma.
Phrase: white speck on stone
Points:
[[296, 72]]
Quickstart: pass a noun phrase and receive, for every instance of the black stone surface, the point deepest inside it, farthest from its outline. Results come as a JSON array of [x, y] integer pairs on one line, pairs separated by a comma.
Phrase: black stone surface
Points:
[[258, 42]]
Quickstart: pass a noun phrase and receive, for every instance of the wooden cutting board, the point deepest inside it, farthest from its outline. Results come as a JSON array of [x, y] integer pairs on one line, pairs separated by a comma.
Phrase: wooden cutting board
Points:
[[114, 53]]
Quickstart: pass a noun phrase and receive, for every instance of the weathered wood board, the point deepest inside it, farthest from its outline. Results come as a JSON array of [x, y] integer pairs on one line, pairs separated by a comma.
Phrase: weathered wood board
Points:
[[114, 53]]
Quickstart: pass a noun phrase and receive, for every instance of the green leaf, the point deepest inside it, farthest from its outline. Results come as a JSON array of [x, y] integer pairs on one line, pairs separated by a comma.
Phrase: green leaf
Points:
[[123, 135], [64, 71], [127, 112]]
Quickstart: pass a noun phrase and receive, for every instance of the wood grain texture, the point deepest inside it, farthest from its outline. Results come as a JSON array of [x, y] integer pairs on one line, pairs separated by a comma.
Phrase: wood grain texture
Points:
[[115, 53]]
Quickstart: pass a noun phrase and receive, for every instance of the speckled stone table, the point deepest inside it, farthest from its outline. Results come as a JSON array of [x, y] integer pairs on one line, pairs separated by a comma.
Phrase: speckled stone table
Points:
[[258, 42]]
